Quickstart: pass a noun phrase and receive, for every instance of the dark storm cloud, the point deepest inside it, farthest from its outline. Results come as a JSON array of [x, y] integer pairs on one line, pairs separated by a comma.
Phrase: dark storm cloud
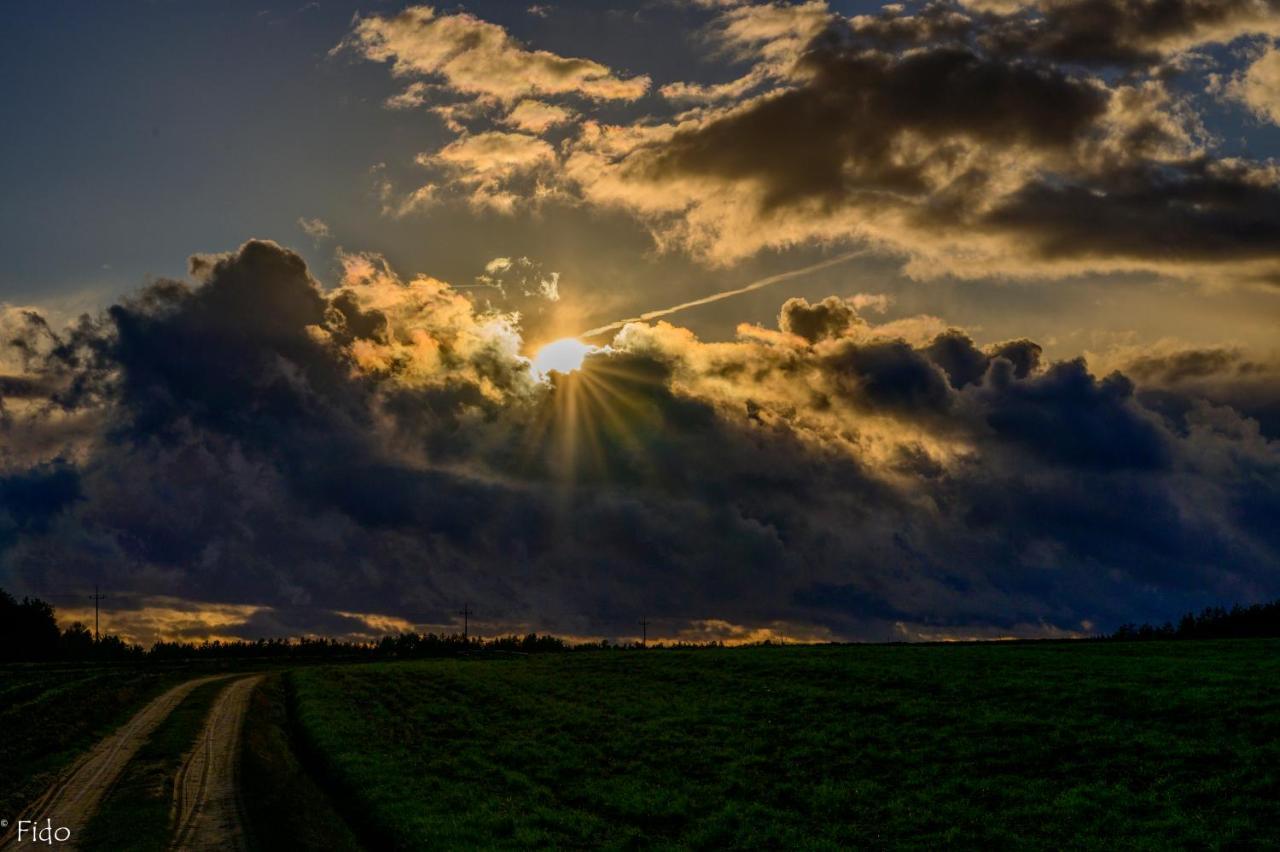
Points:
[[263, 442], [1069, 417], [1182, 211], [1187, 364], [965, 364], [955, 353], [838, 133], [1127, 32], [1091, 32], [1023, 354], [21, 387], [890, 375], [1173, 382], [284, 623]]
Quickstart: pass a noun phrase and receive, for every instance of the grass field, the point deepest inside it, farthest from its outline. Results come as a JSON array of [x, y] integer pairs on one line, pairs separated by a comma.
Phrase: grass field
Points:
[[1120, 745], [49, 714]]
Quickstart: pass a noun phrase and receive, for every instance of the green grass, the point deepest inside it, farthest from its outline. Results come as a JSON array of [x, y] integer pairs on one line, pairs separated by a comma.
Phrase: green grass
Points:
[[284, 808], [1102, 746], [50, 714], [135, 815]]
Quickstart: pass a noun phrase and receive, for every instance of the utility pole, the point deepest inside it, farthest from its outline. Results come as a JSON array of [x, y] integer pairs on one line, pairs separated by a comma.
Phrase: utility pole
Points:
[[96, 597], [466, 613], [644, 632]]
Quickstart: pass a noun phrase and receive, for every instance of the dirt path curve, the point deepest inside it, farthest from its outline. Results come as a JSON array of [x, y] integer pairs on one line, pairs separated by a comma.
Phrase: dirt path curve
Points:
[[74, 797], [208, 811]]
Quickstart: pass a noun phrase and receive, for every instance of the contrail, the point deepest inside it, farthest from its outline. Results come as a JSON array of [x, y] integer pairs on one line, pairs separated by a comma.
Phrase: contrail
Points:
[[715, 297]]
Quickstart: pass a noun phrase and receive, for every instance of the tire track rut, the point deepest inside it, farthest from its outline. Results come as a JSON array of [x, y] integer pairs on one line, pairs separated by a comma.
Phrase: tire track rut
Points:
[[207, 808]]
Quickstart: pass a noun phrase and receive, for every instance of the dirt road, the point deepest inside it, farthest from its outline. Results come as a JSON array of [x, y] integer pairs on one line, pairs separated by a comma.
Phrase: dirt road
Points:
[[207, 806], [73, 798]]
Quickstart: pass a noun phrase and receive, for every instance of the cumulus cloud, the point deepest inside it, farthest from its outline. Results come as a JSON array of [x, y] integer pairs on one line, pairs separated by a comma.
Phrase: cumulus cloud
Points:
[[831, 317], [333, 459]]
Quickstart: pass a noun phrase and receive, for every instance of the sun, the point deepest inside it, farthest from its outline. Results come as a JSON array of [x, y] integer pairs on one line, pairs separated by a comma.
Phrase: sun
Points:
[[562, 356]]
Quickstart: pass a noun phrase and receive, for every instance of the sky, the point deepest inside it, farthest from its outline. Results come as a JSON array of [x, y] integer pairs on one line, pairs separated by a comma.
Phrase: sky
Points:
[[918, 320]]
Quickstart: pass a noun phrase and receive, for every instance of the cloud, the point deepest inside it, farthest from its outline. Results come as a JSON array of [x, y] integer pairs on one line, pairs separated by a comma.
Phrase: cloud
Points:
[[831, 317], [412, 96], [305, 455], [1258, 87], [1127, 31], [1172, 375], [769, 35], [1038, 139], [490, 167], [520, 276], [494, 152], [861, 149], [317, 229], [943, 138], [478, 58], [35, 495], [536, 117]]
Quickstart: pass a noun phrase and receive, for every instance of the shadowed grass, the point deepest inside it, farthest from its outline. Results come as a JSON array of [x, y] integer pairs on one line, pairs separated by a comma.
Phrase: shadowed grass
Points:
[[51, 713], [284, 807], [1106, 746], [135, 814]]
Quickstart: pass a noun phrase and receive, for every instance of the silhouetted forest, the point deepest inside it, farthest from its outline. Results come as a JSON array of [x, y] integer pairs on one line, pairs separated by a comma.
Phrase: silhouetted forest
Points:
[[1260, 621], [29, 632]]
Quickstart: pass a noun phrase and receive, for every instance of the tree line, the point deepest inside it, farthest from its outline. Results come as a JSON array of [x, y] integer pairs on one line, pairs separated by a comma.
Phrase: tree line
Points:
[[1259, 621]]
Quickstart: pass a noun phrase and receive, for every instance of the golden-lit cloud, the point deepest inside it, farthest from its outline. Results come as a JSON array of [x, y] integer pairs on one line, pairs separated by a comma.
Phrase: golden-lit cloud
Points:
[[479, 58], [772, 36], [534, 116], [979, 140], [1258, 86], [485, 165], [416, 332]]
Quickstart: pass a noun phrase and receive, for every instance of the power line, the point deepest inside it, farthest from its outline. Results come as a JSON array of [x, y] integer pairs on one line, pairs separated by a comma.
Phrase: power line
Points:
[[97, 597]]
